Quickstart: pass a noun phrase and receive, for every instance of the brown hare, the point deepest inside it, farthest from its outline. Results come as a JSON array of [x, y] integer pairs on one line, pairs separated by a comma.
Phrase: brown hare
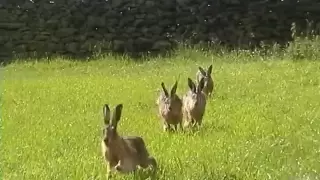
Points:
[[194, 103], [170, 108], [208, 81], [122, 154]]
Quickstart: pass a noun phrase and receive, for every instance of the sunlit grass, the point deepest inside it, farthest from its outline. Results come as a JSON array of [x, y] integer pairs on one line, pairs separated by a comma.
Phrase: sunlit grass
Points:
[[263, 122]]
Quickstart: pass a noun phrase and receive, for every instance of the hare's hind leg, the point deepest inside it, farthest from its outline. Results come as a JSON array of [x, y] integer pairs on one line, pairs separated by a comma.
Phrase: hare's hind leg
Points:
[[153, 162], [149, 161], [200, 119]]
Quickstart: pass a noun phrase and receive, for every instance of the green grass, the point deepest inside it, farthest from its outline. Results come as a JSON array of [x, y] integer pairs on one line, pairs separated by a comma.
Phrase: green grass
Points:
[[263, 122]]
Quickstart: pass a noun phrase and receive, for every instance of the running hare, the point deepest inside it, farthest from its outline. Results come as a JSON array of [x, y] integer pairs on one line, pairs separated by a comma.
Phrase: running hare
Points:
[[194, 103], [208, 81], [170, 107], [122, 154]]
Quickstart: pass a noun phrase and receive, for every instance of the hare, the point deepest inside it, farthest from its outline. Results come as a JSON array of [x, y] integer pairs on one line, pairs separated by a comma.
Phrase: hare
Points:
[[122, 154], [170, 108], [194, 103], [208, 81]]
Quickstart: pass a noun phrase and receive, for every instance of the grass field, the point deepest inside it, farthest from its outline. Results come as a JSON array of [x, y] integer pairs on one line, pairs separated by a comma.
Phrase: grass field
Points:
[[263, 122]]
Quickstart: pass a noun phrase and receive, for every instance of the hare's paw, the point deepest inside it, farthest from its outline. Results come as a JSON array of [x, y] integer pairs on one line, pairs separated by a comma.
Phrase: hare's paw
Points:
[[119, 168], [165, 127], [153, 162]]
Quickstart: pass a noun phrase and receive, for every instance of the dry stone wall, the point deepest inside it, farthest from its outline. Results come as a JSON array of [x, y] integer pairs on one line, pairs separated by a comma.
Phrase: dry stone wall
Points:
[[75, 27]]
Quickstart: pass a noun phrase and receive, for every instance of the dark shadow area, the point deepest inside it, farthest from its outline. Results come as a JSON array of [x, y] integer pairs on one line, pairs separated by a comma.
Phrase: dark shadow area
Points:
[[142, 29]]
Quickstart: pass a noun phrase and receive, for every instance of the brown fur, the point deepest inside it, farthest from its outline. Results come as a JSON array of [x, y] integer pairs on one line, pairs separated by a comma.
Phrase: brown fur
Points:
[[194, 104], [208, 80], [170, 108], [122, 154]]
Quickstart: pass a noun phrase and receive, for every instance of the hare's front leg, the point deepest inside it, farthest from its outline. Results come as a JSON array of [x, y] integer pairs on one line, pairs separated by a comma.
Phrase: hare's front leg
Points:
[[111, 168], [194, 122], [200, 119], [181, 126], [120, 166], [175, 126], [170, 128], [149, 161], [187, 124], [166, 126], [185, 119]]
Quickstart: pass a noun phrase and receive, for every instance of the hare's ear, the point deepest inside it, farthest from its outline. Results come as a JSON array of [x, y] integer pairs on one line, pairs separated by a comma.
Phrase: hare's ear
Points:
[[202, 71], [106, 114], [164, 90], [191, 85], [209, 71], [201, 84], [116, 115], [174, 88]]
